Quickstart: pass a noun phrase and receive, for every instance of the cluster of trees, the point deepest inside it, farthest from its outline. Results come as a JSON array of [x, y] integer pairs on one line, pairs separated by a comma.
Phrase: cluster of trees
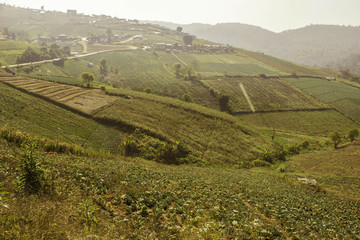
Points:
[[336, 138], [44, 53], [188, 73]]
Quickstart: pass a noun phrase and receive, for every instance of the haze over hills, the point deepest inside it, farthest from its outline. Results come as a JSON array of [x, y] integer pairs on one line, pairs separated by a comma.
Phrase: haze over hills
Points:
[[313, 45], [115, 129]]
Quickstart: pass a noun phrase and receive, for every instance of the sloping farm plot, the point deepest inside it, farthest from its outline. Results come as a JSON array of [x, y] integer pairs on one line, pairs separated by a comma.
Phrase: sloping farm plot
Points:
[[344, 98], [85, 100], [266, 94], [220, 64]]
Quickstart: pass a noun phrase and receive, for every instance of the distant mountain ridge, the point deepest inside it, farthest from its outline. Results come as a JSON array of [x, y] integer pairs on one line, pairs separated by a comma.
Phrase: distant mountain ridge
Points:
[[313, 45]]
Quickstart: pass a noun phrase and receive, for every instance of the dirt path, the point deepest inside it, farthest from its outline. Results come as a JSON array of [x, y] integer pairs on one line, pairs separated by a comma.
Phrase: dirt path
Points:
[[179, 58], [247, 97]]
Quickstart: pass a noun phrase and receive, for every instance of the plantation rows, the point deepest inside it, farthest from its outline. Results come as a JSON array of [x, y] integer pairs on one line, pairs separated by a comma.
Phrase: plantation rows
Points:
[[226, 64], [266, 94], [36, 116], [139, 69], [83, 99], [342, 97]]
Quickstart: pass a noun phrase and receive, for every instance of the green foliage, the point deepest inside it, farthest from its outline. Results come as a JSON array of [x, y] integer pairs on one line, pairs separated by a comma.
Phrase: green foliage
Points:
[[354, 133], [131, 148], [276, 154], [304, 144], [173, 153], [103, 67], [60, 62], [87, 78], [282, 167], [224, 103], [177, 70], [187, 98], [29, 55], [188, 39], [148, 90], [87, 218], [31, 175], [335, 138]]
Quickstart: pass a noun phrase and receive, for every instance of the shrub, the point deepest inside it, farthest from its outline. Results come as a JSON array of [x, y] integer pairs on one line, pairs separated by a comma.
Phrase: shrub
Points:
[[131, 148], [187, 98], [277, 154], [354, 133], [172, 153], [148, 90], [304, 144], [335, 138], [86, 215], [32, 176], [282, 167]]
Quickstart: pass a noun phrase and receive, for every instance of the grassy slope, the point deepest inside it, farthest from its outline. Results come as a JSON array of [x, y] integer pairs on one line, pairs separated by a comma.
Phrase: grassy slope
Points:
[[143, 200], [213, 136], [337, 169], [30, 114], [10, 50], [317, 123]]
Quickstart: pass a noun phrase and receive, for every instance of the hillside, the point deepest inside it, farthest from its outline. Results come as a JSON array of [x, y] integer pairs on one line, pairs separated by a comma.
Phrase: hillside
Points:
[[169, 136], [314, 45]]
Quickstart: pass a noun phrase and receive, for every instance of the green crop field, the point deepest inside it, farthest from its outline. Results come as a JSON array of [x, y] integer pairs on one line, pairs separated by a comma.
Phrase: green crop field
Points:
[[318, 123], [30, 114], [220, 64], [283, 65], [199, 93], [266, 94], [342, 97], [116, 198], [137, 69]]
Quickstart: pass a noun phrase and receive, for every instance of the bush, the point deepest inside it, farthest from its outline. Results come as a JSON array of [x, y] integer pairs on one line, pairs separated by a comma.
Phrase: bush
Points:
[[131, 148], [187, 98], [148, 90], [32, 176], [304, 144], [277, 154], [172, 153], [354, 133], [335, 138]]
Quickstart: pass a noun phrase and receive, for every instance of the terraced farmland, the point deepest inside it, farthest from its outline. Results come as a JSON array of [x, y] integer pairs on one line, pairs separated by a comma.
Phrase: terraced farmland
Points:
[[85, 100], [266, 94], [342, 97], [34, 115]]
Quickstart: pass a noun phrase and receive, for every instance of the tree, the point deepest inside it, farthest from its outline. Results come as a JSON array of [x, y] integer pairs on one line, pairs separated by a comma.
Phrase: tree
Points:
[[335, 138], [179, 29], [109, 34], [224, 103], [103, 67], [177, 69], [188, 39], [354, 133], [87, 78]]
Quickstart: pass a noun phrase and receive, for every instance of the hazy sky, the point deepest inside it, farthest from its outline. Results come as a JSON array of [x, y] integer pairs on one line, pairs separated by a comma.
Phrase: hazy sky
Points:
[[275, 15]]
